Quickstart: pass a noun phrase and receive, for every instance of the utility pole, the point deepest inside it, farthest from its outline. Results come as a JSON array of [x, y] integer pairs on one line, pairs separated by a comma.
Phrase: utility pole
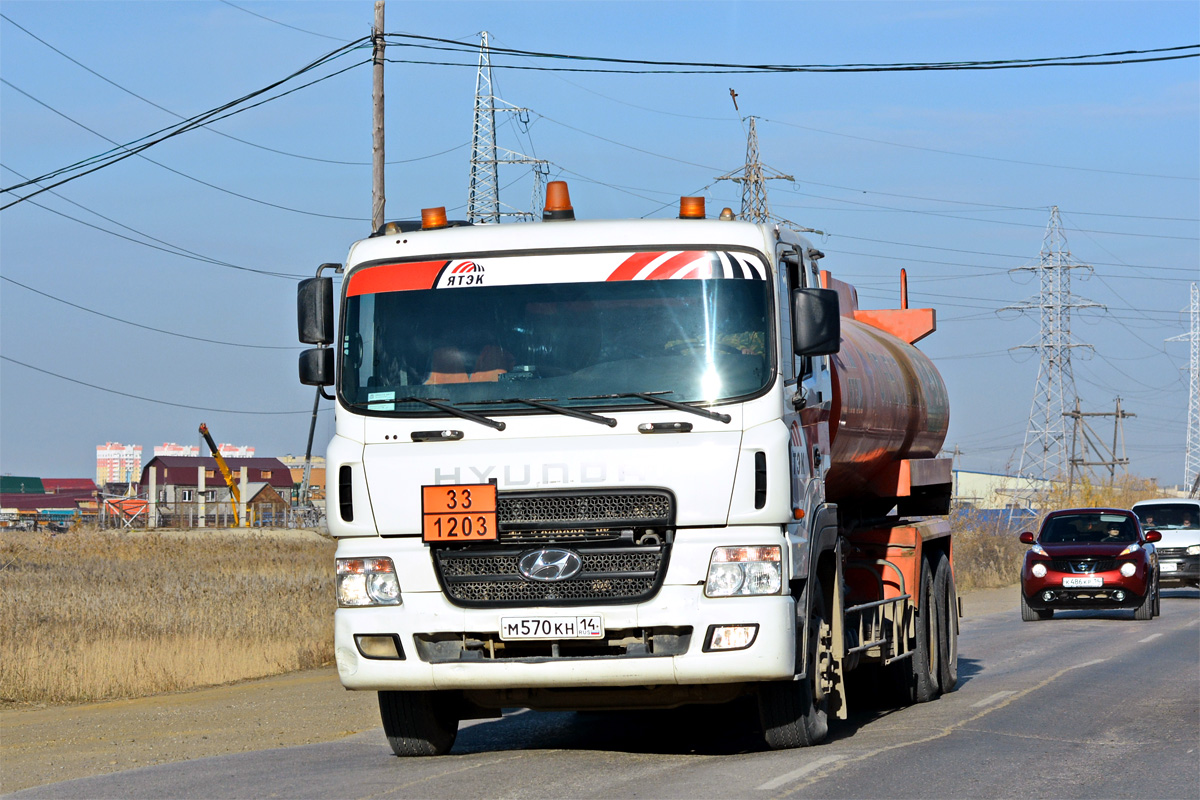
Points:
[[1191, 458], [483, 195], [1083, 437], [1044, 456], [378, 199], [752, 178]]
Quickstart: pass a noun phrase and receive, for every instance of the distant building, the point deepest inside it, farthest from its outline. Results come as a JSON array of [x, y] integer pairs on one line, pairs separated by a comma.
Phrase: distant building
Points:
[[118, 462], [172, 449], [982, 490], [228, 451], [17, 484], [178, 503], [316, 477]]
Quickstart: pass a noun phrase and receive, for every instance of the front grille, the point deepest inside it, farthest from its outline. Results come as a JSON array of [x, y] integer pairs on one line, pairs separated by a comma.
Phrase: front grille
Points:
[[1083, 566], [622, 538], [490, 578], [568, 510], [1172, 552]]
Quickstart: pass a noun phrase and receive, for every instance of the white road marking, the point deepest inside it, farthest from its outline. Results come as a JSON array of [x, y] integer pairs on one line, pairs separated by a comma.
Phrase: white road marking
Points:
[[1088, 663], [815, 764], [987, 701], [1149, 638]]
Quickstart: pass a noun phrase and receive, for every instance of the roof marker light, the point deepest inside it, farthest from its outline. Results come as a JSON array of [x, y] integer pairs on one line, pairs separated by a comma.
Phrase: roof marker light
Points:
[[691, 208], [558, 202], [433, 218], [727, 214]]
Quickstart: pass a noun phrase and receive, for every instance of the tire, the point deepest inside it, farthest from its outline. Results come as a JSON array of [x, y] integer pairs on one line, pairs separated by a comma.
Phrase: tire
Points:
[[1031, 614], [1145, 609], [943, 587], [419, 723], [926, 660], [793, 713], [1157, 597]]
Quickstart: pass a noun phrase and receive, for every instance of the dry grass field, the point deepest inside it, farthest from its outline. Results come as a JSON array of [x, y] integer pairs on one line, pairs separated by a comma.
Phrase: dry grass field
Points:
[[99, 615], [104, 615]]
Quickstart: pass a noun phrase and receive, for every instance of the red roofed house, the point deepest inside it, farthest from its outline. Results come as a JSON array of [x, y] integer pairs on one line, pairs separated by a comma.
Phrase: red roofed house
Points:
[[267, 491]]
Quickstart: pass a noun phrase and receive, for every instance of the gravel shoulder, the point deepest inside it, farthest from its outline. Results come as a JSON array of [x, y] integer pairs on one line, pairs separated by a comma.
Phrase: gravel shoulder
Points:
[[44, 745]]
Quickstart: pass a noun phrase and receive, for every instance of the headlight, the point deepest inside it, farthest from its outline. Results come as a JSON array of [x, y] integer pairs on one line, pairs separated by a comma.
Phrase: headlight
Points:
[[1037, 550], [1194, 550], [1038, 570], [367, 582], [1128, 568], [742, 571], [1133, 548]]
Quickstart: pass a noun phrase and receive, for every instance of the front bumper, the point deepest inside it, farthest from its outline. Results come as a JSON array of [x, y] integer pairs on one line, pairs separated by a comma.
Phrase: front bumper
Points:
[[659, 641], [427, 616], [1179, 571], [1111, 590]]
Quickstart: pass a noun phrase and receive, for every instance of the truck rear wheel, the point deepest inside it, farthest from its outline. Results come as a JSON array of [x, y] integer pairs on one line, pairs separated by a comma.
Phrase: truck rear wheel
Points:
[[793, 713], [419, 723], [943, 586], [926, 657]]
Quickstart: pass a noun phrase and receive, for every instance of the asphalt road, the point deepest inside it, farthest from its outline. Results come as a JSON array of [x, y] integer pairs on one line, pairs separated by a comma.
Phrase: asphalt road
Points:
[[1086, 705]]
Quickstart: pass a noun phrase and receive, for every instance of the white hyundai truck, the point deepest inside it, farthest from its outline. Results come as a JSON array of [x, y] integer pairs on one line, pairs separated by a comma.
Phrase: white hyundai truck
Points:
[[626, 464]]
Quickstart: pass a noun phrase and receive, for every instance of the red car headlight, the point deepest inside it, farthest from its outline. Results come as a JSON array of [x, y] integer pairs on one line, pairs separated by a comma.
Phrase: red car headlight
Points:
[[1128, 568]]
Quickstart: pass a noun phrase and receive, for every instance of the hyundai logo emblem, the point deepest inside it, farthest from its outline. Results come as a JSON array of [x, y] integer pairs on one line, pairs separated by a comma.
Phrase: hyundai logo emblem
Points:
[[549, 564]]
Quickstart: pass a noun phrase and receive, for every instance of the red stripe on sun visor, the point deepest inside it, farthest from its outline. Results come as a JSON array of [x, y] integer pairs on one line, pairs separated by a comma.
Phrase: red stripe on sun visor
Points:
[[395, 278], [674, 264], [631, 266]]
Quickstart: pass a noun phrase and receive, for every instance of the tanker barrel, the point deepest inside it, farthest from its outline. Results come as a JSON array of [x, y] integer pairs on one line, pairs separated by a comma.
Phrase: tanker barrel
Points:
[[890, 410]]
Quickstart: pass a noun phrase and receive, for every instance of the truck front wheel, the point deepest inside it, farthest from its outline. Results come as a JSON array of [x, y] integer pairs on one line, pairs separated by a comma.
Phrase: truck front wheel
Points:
[[419, 723], [793, 713]]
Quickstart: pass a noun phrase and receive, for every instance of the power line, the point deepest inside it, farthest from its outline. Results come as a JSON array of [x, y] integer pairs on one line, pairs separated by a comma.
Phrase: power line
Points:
[[172, 169], [149, 399], [700, 67], [284, 24], [985, 158], [210, 129], [144, 327], [172, 249], [221, 112]]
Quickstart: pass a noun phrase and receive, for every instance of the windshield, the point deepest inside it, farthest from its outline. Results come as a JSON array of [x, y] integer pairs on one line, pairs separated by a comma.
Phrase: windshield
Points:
[[1089, 528], [497, 331], [1169, 515]]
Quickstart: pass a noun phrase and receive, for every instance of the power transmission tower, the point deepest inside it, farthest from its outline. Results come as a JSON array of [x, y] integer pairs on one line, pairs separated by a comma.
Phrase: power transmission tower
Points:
[[1085, 440], [1191, 458], [752, 179], [1045, 452], [483, 197]]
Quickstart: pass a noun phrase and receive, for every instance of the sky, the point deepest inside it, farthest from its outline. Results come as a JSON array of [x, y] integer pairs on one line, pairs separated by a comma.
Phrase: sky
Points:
[[157, 293]]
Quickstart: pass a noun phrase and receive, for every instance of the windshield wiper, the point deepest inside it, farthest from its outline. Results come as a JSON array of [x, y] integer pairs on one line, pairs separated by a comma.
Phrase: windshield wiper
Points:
[[570, 412], [652, 397], [449, 409]]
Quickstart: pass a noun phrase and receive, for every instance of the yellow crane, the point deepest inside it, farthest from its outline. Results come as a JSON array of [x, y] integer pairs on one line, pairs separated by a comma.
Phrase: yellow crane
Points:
[[234, 494]]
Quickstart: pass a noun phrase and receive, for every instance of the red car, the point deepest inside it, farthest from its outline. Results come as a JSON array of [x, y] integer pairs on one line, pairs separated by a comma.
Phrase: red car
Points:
[[1090, 558]]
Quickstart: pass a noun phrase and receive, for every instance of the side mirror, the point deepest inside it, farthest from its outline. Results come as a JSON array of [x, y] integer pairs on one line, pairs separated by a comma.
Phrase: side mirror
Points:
[[1027, 537], [816, 322], [314, 311], [316, 366], [1153, 536]]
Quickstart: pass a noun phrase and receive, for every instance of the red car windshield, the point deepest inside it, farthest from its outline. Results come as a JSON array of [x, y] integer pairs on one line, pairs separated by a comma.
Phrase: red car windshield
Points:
[[1089, 528]]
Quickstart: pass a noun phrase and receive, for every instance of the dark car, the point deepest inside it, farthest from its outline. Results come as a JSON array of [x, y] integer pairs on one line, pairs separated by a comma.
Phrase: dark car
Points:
[[1090, 558]]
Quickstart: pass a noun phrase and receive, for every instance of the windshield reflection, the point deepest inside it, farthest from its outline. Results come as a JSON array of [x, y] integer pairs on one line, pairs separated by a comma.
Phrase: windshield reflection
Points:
[[572, 344]]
